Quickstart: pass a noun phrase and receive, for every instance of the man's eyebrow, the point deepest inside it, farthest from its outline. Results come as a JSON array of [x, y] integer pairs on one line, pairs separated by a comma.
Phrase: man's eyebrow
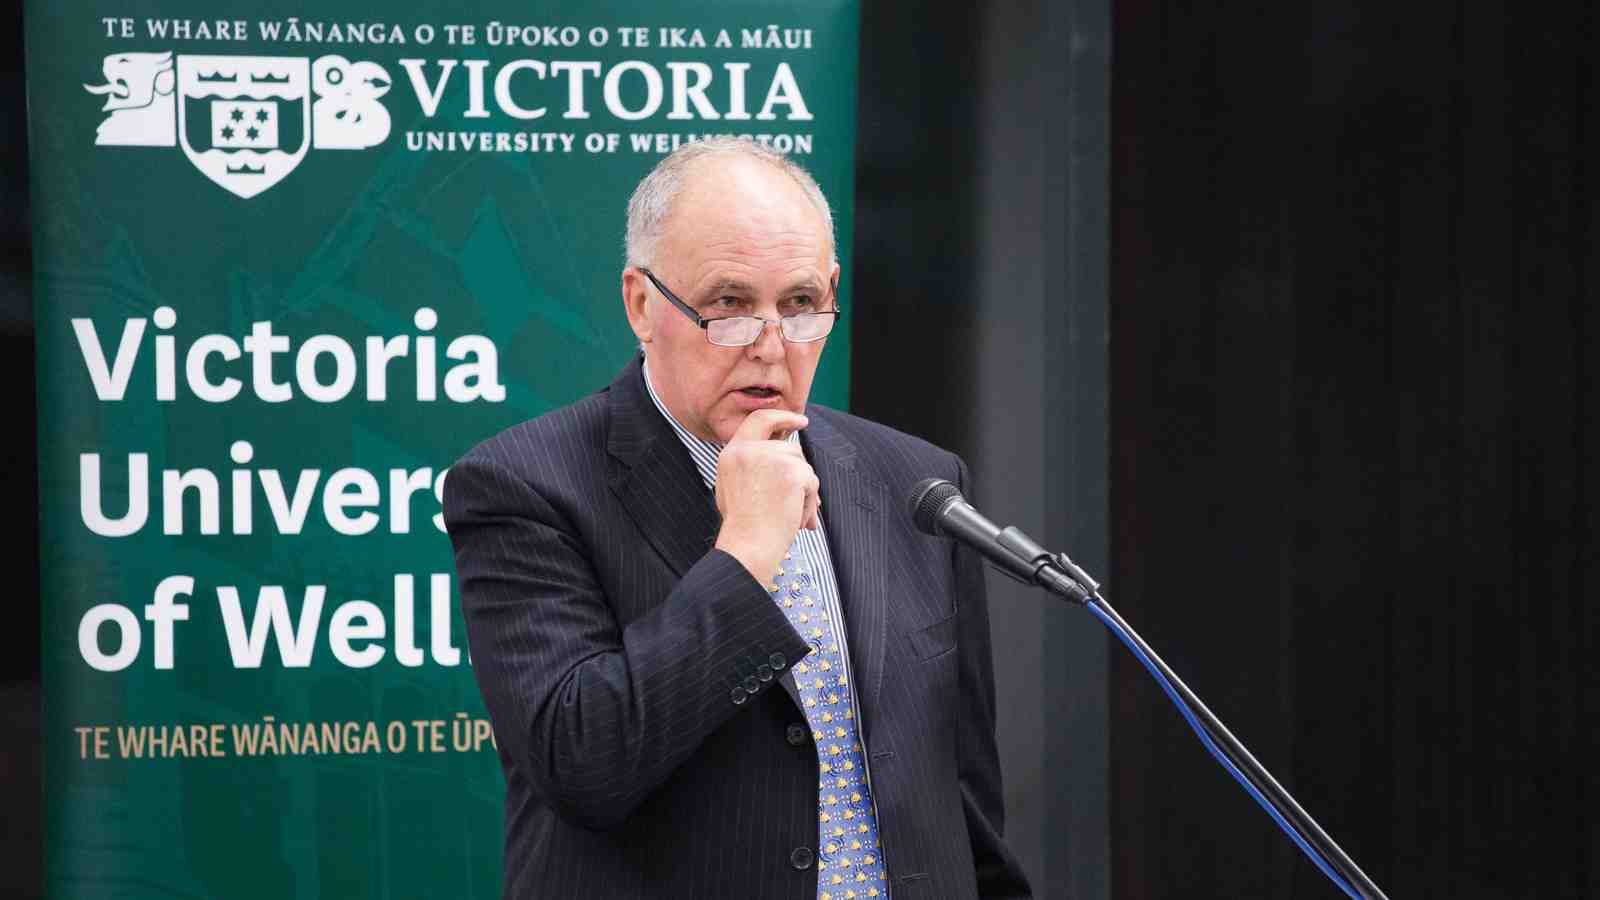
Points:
[[808, 283], [735, 286], [730, 285]]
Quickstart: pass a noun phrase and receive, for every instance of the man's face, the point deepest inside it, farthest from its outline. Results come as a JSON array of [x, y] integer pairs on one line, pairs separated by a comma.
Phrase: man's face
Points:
[[741, 239]]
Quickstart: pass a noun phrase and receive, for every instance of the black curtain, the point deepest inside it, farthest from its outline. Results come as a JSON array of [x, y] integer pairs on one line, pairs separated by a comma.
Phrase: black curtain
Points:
[[1352, 468]]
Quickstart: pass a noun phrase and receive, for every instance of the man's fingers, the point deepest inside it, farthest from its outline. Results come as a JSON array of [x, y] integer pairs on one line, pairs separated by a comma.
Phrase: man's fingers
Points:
[[766, 424], [811, 517]]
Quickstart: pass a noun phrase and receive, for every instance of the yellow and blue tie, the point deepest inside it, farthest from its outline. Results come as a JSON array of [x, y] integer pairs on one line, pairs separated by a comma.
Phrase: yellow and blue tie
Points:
[[850, 856]]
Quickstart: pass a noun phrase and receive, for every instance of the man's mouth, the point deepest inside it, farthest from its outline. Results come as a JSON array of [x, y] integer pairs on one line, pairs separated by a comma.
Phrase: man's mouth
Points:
[[760, 392]]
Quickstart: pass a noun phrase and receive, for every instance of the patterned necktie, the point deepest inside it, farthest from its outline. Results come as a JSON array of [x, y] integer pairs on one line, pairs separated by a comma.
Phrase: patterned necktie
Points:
[[849, 858]]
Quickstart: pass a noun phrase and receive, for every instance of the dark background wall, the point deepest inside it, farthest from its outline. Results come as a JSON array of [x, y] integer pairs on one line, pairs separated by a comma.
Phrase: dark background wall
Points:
[[21, 847], [1276, 316], [1353, 473]]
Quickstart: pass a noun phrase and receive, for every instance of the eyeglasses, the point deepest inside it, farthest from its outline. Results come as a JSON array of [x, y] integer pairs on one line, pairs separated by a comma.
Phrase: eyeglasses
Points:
[[742, 331]]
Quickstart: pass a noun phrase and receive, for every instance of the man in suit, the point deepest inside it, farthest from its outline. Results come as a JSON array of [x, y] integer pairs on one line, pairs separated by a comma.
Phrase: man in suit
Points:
[[719, 659]]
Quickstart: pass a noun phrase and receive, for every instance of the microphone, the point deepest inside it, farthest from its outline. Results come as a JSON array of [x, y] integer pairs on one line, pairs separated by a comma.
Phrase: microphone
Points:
[[938, 509]]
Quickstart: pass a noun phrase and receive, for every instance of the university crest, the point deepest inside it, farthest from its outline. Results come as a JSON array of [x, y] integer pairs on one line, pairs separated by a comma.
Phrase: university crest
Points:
[[245, 122]]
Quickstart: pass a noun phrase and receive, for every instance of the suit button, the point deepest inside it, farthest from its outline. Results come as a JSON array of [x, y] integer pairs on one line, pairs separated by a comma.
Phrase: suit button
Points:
[[751, 684], [777, 660], [739, 695], [764, 672], [797, 734], [801, 858]]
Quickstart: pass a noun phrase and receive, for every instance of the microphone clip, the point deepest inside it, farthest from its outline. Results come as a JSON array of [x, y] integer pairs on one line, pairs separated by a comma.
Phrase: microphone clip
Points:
[[1055, 572]]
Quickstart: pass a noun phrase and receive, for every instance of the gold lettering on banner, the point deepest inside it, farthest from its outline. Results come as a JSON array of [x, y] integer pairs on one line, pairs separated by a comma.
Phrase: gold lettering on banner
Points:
[[462, 733]]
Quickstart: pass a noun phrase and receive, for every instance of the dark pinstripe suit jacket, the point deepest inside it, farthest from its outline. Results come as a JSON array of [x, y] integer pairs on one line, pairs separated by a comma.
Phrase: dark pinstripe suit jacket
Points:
[[607, 637]]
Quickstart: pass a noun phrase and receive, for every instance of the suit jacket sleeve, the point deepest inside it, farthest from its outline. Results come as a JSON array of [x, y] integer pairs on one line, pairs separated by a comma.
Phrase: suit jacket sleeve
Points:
[[597, 714], [999, 872]]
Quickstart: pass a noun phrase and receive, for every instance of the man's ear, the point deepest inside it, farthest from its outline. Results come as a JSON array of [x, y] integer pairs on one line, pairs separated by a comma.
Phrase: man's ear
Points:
[[635, 293]]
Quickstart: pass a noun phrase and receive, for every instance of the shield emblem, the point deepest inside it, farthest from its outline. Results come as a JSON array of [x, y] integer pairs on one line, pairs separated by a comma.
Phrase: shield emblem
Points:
[[245, 121]]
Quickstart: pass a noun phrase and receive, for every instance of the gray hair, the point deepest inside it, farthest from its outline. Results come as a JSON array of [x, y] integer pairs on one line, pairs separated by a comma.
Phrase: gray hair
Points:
[[652, 200]]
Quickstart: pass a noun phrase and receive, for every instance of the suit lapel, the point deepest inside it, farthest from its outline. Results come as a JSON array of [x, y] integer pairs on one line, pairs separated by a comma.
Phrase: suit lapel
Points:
[[855, 514], [658, 484], [654, 478]]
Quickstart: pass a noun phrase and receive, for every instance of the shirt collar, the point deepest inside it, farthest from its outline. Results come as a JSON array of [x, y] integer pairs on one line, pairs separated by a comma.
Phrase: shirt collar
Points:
[[704, 453]]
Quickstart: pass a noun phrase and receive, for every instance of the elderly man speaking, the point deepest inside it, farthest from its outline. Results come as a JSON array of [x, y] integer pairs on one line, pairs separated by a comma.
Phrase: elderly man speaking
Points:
[[719, 659]]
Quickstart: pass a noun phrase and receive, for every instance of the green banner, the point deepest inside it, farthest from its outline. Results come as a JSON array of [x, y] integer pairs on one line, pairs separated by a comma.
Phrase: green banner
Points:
[[288, 269]]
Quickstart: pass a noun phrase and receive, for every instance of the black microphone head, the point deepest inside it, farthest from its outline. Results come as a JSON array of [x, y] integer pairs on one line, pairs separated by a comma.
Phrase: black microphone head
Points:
[[928, 498]]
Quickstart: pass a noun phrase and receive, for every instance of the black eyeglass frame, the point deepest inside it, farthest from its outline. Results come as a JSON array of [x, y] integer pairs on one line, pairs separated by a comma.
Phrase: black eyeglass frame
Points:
[[705, 323]]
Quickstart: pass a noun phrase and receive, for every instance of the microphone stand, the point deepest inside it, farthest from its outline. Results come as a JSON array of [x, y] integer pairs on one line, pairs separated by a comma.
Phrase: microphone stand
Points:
[[1061, 576]]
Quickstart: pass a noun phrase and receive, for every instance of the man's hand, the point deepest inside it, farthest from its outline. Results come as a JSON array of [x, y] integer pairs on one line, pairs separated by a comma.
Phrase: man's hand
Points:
[[766, 491]]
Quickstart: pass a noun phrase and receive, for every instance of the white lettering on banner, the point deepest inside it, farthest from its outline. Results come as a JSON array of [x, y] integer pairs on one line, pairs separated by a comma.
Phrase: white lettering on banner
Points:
[[356, 634], [127, 637], [652, 90], [295, 642], [162, 612], [292, 30], [491, 141], [198, 29], [667, 142], [685, 91], [546, 142], [110, 382], [358, 620], [474, 376], [630, 89], [182, 489]]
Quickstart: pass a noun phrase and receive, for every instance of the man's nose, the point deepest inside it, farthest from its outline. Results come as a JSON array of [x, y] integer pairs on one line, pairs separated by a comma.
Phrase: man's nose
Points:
[[768, 347]]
